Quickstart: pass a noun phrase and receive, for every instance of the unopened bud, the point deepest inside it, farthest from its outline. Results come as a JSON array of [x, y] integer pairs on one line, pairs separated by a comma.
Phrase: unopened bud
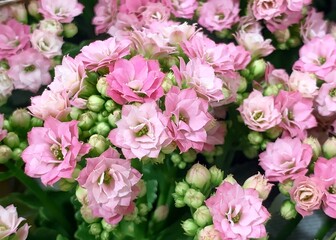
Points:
[[36, 122], [294, 42], [202, 216], [110, 105], [217, 176], [12, 140], [103, 129], [257, 68], [287, 210], [230, 179], [242, 85], [282, 36], [194, 198], [271, 90], [251, 151], [255, 138], [95, 103], [260, 184], [16, 154], [179, 201], [20, 119], [274, 132], [198, 176], [52, 26], [181, 188], [182, 165], [102, 86], [105, 235], [189, 156], [161, 213], [142, 188], [315, 145], [208, 233], [70, 30], [87, 120], [143, 209], [87, 214], [81, 194], [75, 113], [329, 148], [95, 229], [169, 149], [190, 227], [176, 158], [33, 9], [106, 226], [19, 12], [5, 154], [285, 187], [98, 144], [114, 117], [168, 82]]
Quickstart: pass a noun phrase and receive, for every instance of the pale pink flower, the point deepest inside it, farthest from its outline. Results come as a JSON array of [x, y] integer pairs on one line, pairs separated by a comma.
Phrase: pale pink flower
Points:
[[3, 132], [260, 184], [248, 24], [103, 53], [188, 116], [267, 9], [50, 103], [297, 113], [53, 151], [154, 12], [326, 99], [124, 25], [208, 233], [216, 15], [10, 222], [182, 8], [307, 193], [283, 21], [313, 26], [50, 45], [141, 131], [111, 185], [6, 86], [216, 131], [304, 83], [51, 25], [29, 70], [259, 112], [60, 10], [317, 56], [14, 37], [325, 170], [297, 5], [5, 13], [276, 76], [133, 6], [105, 15], [230, 87], [286, 158], [177, 33], [135, 80], [237, 213]]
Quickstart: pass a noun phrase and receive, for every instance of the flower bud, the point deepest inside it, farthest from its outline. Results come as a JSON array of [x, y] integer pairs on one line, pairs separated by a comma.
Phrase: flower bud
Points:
[[315, 145], [217, 176], [142, 187], [16, 154], [294, 42], [87, 120], [36, 122], [189, 156], [106, 226], [33, 9], [19, 12], [5, 154], [114, 117], [75, 113], [271, 90], [194, 198], [52, 26], [169, 149], [329, 148], [23, 145], [89, 86], [176, 158], [287, 210], [182, 165], [282, 36], [110, 105], [98, 144], [95, 103], [12, 140], [102, 86], [251, 151], [255, 138], [87, 214], [242, 85], [65, 185], [202, 216], [181, 188], [95, 229], [208, 233], [190, 227], [161, 213], [103, 129], [198, 176], [274, 132], [70, 30], [285, 187], [230, 179], [259, 183], [179, 201], [143, 209], [20, 119], [257, 68], [81, 195]]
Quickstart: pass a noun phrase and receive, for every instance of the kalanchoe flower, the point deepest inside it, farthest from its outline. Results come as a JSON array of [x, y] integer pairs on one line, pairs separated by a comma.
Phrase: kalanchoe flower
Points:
[[314, 26], [237, 213], [208, 233], [154, 12], [326, 99], [105, 15], [50, 45], [3, 132], [53, 151], [182, 8], [285, 159], [135, 80], [141, 131], [6, 86], [267, 9], [259, 183], [283, 21], [111, 185], [304, 83]]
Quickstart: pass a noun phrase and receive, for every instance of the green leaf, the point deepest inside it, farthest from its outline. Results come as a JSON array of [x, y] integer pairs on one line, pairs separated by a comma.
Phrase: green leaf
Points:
[[152, 187], [82, 233], [5, 175], [42, 233]]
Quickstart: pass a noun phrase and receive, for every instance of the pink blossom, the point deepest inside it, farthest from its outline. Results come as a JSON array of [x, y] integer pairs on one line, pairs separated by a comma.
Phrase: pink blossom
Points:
[[188, 118], [286, 158], [248, 24], [216, 131], [124, 25], [326, 99], [50, 45], [283, 21], [60, 10], [275, 76], [297, 113], [317, 56], [313, 26], [10, 222], [111, 185], [182, 8], [14, 37], [297, 5], [3, 132], [304, 83], [51, 25], [176, 33], [325, 170], [216, 15], [229, 89], [105, 15], [141, 131], [50, 103], [6, 86], [208, 233], [29, 70], [133, 6], [267, 9], [259, 112], [307, 192], [103, 53], [53, 151], [260, 184], [154, 12], [135, 80], [237, 213]]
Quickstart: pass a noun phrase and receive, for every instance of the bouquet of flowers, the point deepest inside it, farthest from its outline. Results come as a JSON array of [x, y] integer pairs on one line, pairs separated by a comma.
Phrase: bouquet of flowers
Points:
[[166, 119]]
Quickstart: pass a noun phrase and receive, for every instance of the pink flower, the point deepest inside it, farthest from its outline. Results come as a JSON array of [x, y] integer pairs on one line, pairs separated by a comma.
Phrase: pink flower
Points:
[[208, 233], [283, 21], [50, 45], [326, 99], [260, 184], [267, 9], [103, 53], [154, 12], [297, 5], [60, 10], [14, 37], [297, 113], [111, 185], [313, 26], [6, 86], [133, 6], [275, 76], [216, 15], [50, 103], [188, 118], [105, 15], [53, 151], [317, 56], [135, 80], [229, 89], [29, 70], [304, 83], [201, 77], [307, 192], [182, 8], [216, 131], [141, 131], [176, 33], [10, 222], [3, 132], [286, 158], [325, 170], [237, 213], [259, 112]]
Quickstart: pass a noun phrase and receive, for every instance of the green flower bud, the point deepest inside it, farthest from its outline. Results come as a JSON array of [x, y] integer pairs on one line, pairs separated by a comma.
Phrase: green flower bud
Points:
[[230, 179], [198, 176], [264, 143], [251, 151], [5, 154], [87, 214], [257, 68], [245, 73], [143, 209], [69, 30], [315, 145], [255, 138], [12, 140], [95, 103], [217, 176], [169, 149], [161, 213], [285, 187], [168, 82], [114, 117], [95, 229], [274, 132], [7, 125], [294, 42], [202, 216], [16, 154], [110, 105], [190, 227], [182, 165], [179, 201], [329, 148], [106, 226], [75, 113], [242, 85], [23, 145], [98, 144], [102, 117], [282, 36], [102, 86], [81, 195], [287, 210], [142, 187], [194, 198], [103, 129], [89, 86], [271, 90], [36, 122], [189, 156], [87, 120], [65, 185], [20, 119], [20, 13], [176, 158], [33, 9], [181, 188]]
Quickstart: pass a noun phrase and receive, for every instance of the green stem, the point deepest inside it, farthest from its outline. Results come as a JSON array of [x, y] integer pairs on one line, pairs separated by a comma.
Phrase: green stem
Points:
[[333, 236], [287, 230], [324, 229], [48, 203]]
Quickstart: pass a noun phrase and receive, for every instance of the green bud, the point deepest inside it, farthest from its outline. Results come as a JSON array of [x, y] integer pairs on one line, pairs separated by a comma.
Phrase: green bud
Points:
[[20, 13], [315, 145], [143, 209], [294, 42], [64, 185], [36, 122], [181, 188], [255, 138], [202, 216], [189, 156], [190, 227], [179, 201], [102, 86], [285, 187], [245, 72], [12, 140], [95, 103], [101, 117], [20, 119], [176, 158], [168, 82], [95, 229], [81, 195], [114, 117], [161, 213], [242, 85], [110, 105], [282, 35], [217, 176], [329, 148], [274, 132], [264, 143], [103, 129], [287, 210], [271, 90], [142, 187], [87, 214], [169, 149], [239, 99], [69, 30], [230, 179], [33, 9], [23, 144], [182, 165], [223, 34], [98, 144], [89, 86], [194, 198], [75, 113], [198, 176], [7, 125], [16, 154], [87, 120], [5, 154], [257, 68], [106, 226], [251, 151]]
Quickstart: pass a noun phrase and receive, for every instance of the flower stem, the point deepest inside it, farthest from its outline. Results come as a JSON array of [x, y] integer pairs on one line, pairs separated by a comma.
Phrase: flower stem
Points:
[[324, 229], [287, 230]]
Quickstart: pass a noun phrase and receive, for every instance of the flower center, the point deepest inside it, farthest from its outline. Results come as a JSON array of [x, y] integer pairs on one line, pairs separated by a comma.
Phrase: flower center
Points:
[[332, 189], [257, 115], [332, 92], [290, 115], [233, 216], [143, 131], [322, 60], [220, 16], [57, 151], [30, 68], [3, 228], [182, 118]]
